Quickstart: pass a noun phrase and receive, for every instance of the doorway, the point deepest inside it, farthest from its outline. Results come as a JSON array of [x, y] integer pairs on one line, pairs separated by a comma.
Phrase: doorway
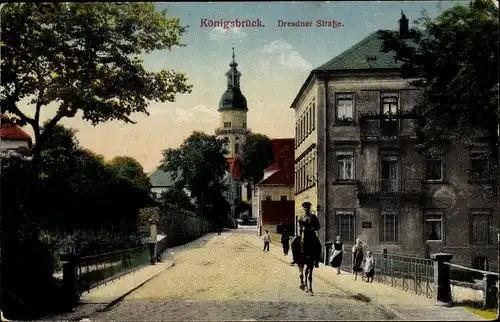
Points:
[[390, 173]]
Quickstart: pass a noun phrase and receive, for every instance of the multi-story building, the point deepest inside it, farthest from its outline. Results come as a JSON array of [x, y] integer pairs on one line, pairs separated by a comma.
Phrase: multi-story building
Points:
[[355, 157]]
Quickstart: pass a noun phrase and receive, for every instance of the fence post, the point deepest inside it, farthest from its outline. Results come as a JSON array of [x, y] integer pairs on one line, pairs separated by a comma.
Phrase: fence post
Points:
[[153, 235], [70, 285], [328, 248], [442, 278], [384, 256], [490, 291]]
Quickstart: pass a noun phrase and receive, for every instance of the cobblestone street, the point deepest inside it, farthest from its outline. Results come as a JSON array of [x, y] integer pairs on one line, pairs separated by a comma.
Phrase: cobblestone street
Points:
[[227, 277]]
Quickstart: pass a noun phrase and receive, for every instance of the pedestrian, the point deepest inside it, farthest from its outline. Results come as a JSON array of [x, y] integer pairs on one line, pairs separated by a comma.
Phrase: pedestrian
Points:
[[267, 240], [338, 250], [357, 258], [285, 241], [369, 266]]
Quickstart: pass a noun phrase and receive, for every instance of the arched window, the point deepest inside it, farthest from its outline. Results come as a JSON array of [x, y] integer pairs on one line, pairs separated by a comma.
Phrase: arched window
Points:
[[237, 148]]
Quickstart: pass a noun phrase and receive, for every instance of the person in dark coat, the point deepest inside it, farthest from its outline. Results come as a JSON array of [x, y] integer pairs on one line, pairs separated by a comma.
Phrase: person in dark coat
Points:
[[310, 225], [338, 250], [285, 241], [357, 259]]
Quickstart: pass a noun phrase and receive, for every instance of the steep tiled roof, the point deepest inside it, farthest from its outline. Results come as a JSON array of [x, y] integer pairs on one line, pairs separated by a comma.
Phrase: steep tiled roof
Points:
[[284, 176], [12, 132], [235, 167], [366, 54], [161, 178], [283, 150]]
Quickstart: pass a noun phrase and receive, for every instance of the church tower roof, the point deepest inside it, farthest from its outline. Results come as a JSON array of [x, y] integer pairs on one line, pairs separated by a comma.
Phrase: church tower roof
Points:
[[233, 99]]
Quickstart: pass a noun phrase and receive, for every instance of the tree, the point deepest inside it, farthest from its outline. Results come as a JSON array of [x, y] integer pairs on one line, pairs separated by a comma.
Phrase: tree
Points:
[[455, 59], [176, 196], [129, 168], [257, 155], [86, 58], [201, 166]]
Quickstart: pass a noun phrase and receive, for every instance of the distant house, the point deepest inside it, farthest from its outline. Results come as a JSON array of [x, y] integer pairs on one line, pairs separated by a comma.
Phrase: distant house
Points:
[[13, 138], [273, 197], [161, 182]]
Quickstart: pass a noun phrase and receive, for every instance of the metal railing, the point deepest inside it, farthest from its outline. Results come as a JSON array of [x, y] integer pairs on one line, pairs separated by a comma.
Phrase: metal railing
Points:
[[92, 271], [390, 188], [385, 129], [408, 273], [483, 292]]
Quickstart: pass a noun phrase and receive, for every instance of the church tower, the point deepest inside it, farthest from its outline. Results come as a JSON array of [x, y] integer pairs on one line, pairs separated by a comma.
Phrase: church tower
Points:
[[233, 113]]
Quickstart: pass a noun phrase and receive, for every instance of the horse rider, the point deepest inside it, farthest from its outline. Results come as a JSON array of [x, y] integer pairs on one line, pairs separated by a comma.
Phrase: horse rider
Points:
[[309, 226]]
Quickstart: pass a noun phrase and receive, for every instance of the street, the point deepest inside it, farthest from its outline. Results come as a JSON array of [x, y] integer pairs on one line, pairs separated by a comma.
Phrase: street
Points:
[[228, 277]]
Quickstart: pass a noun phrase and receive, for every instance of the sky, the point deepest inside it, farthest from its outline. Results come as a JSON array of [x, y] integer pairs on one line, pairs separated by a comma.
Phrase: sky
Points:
[[274, 62]]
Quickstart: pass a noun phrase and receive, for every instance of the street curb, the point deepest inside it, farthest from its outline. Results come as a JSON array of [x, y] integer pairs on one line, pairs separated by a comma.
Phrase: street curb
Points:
[[121, 297], [384, 307]]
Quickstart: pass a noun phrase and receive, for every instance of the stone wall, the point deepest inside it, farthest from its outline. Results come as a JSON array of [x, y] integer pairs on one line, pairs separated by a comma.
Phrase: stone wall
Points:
[[182, 226]]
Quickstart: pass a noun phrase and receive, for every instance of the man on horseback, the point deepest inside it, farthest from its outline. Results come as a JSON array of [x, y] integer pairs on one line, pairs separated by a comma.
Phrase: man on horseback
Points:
[[306, 248], [310, 227]]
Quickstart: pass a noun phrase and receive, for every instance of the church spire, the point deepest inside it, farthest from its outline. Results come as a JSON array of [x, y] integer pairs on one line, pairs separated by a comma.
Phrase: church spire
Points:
[[233, 75]]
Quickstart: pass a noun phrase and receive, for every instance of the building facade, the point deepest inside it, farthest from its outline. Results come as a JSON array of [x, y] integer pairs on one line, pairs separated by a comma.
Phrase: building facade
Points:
[[355, 157], [273, 196]]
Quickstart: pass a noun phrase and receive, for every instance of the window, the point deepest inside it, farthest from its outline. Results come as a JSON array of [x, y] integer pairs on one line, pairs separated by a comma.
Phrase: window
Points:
[[433, 226], [479, 164], [390, 104], [283, 198], [313, 115], [244, 125], [237, 148], [344, 107], [480, 227], [226, 144], [346, 224], [307, 122], [268, 197], [227, 124], [345, 165], [434, 169], [296, 182], [389, 227], [303, 125], [480, 262]]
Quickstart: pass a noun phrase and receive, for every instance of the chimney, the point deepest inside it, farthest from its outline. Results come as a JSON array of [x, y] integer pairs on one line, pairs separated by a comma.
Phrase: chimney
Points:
[[403, 25]]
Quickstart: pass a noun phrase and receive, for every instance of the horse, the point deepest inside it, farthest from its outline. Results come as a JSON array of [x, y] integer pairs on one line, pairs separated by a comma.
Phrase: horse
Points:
[[305, 257]]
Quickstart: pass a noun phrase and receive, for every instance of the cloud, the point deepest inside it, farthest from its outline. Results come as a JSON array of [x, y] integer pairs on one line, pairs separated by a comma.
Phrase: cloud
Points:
[[286, 55], [219, 33], [197, 114]]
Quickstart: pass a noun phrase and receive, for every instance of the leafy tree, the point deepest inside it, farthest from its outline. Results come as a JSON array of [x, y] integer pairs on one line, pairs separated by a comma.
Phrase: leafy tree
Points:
[[129, 168], [257, 155], [455, 58], [201, 164], [86, 58], [176, 196]]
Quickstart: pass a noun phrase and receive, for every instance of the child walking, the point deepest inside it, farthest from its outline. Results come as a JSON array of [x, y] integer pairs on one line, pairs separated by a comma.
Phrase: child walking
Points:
[[267, 240], [369, 267]]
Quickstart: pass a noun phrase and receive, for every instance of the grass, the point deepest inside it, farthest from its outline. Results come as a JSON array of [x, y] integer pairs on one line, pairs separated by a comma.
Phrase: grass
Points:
[[485, 314]]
